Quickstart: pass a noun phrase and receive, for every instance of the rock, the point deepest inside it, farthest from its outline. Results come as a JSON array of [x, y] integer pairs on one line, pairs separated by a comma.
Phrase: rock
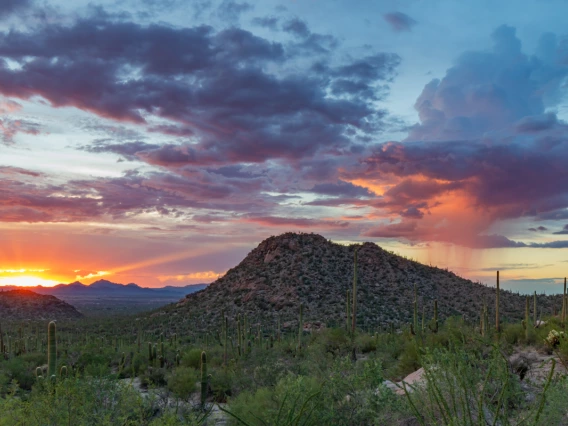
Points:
[[390, 385], [413, 379], [269, 256]]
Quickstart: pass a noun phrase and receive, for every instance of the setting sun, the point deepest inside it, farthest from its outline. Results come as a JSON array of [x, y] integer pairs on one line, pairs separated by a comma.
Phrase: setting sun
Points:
[[27, 281]]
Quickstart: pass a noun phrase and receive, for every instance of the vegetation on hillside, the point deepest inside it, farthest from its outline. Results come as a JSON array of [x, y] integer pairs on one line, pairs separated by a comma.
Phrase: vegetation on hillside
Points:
[[138, 372]]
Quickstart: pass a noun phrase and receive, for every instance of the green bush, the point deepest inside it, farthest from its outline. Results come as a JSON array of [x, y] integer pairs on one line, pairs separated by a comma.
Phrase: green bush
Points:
[[192, 358], [183, 382]]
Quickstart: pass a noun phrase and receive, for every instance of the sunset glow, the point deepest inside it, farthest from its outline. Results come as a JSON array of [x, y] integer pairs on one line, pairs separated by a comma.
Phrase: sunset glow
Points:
[[131, 153], [27, 281]]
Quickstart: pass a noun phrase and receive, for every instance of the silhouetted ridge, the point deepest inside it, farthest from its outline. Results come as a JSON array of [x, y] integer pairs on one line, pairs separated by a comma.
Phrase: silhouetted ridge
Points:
[[27, 305]]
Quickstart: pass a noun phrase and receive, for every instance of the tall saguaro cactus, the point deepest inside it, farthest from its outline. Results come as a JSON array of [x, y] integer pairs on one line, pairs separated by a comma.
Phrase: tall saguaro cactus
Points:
[[434, 325], [534, 310], [415, 308], [527, 318], [226, 341], [497, 325], [563, 317], [354, 295], [203, 378], [348, 312], [301, 327], [51, 350]]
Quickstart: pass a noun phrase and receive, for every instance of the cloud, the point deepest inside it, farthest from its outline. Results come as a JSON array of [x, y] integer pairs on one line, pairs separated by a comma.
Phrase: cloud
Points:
[[127, 150], [231, 11], [485, 149], [341, 188], [538, 229], [270, 22], [295, 222], [29, 197], [8, 7], [412, 231], [399, 21], [564, 231], [232, 95], [11, 127]]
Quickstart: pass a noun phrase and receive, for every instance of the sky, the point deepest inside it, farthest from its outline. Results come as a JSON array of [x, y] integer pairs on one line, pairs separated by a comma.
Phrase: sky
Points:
[[159, 141]]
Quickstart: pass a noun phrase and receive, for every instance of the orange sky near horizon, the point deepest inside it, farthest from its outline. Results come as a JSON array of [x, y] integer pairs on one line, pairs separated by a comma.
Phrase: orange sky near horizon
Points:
[[132, 260]]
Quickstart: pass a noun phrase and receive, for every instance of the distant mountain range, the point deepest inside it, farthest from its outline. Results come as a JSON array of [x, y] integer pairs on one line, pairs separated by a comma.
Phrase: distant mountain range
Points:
[[104, 288]]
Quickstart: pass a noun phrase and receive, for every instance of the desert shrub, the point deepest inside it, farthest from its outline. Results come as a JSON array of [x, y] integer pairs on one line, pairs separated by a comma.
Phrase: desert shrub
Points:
[[183, 382], [76, 401], [154, 377], [556, 407], [409, 359], [192, 358], [461, 386], [514, 333], [139, 363], [292, 396], [89, 362], [221, 384], [366, 343], [16, 369]]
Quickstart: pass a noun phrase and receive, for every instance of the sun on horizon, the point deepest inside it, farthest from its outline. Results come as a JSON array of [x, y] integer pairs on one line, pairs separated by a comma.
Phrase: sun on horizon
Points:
[[27, 281]]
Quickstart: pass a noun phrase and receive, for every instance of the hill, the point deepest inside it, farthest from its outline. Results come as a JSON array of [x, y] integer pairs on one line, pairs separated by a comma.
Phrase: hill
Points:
[[290, 269], [107, 298], [27, 305]]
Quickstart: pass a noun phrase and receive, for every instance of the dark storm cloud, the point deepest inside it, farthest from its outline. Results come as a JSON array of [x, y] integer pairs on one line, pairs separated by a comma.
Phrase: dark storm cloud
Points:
[[270, 22], [564, 231], [485, 134], [7, 7], [341, 189], [231, 11], [399, 21], [214, 84], [539, 229]]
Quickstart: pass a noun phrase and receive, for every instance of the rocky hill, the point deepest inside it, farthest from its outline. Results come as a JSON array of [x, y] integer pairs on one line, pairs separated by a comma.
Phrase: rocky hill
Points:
[[27, 305], [290, 269]]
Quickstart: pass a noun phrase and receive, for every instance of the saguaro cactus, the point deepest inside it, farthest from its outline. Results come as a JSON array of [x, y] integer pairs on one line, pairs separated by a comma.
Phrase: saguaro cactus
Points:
[[301, 327], [347, 312], [563, 318], [239, 335], [497, 325], [526, 320], [226, 341], [534, 310], [203, 378], [415, 308], [434, 325], [354, 313], [51, 350]]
